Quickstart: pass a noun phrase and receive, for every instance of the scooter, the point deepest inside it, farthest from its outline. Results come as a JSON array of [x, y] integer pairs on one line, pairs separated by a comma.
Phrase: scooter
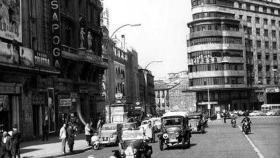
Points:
[[95, 143], [246, 128]]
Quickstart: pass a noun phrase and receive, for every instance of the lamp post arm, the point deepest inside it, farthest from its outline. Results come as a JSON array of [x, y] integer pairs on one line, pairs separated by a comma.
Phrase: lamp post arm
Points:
[[151, 63], [119, 29]]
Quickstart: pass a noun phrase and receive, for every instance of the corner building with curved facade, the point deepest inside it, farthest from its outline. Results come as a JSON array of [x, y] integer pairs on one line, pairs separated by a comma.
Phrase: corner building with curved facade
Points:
[[233, 53]]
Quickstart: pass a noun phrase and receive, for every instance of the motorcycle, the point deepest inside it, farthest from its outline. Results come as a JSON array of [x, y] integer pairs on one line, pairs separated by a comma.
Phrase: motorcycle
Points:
[[95, 143], [246, 127], [233, 123]]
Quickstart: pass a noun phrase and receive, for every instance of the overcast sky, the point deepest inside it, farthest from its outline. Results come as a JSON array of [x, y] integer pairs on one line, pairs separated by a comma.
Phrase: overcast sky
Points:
[[162, 34]]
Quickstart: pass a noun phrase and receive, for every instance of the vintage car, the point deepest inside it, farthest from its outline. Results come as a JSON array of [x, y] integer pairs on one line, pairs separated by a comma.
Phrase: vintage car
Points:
[[174, 130], [134, 145], [196, 123], [109, 134]]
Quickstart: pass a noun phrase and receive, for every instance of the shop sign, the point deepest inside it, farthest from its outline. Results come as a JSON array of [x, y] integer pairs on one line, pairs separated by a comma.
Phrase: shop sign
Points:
[[204, 59], [41, 59], [26, 56], [11, 20], [8, 53], [55, 30], [65, 102]]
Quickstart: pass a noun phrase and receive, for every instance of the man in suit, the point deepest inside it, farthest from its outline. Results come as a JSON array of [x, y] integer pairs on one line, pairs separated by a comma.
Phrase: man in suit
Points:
[[16, 137]]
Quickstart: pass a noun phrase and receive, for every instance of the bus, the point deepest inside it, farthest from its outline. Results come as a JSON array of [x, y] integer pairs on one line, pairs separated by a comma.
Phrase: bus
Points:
[[268, 107]]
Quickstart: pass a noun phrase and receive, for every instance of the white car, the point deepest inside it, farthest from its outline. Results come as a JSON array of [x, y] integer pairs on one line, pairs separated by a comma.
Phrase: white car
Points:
[[256, 113], [108, 134], [273, 113]]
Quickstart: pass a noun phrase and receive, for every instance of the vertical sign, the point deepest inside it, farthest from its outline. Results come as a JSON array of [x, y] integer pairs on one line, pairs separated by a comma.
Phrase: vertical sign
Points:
[[55, 32]]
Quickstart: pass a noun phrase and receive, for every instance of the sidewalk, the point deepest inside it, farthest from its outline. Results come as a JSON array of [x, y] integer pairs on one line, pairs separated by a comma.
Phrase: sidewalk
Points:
[[51, 148]]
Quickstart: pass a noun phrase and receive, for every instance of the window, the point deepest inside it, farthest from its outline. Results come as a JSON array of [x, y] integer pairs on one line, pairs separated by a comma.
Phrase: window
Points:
[[266, 56], [249, 31], [267, 68], [259, 56], [273, 32], [264, 9], [274, 45], [274, 56], [273, 22], [248, 6], [258, 31], [249, 18], [265, 21], [257, 8], [265, 33], [279, 23], [266, 44], [259, 43], [240, 17], [272, 10], [240, 5], [259, 67], [257, 19]]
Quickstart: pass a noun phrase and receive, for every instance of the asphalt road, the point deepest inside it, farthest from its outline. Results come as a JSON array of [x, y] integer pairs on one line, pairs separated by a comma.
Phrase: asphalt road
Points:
[[220, 141]]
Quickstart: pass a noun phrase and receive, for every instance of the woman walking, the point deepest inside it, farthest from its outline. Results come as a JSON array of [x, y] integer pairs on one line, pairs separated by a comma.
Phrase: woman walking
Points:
[[88, 133]]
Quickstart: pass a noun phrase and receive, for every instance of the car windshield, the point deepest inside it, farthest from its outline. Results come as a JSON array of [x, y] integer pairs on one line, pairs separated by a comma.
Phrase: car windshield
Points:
[[126, 126], [171, 121], [109, 127]]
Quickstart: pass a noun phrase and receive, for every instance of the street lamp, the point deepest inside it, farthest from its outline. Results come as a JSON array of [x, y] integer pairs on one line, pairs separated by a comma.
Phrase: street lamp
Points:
[[145, 72], [131, 25]]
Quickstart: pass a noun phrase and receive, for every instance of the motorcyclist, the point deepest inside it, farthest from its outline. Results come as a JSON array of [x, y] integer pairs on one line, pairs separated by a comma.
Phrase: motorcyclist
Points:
[[233, 120], [246, 119]]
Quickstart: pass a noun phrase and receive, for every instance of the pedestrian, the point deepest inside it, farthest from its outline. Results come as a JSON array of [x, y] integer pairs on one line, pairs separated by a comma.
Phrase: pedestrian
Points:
[[149, 132], [63, 137], [88, 132], [16, 138], [45, 129], [7, 145], [225, 117], [99, 125], [70, 137]]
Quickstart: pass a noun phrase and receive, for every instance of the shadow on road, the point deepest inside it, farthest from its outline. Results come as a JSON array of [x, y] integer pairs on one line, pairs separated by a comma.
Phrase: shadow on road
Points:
[[180, 147]]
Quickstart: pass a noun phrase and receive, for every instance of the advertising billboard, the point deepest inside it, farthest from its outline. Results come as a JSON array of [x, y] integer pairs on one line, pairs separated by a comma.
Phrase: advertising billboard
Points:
[[11, 20], [8, 53], [26, 56]]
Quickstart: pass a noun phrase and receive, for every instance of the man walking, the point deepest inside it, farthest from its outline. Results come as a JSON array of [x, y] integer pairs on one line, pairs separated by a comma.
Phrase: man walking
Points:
[[6, 144], [16, 137], [63, 136], [71, 137]]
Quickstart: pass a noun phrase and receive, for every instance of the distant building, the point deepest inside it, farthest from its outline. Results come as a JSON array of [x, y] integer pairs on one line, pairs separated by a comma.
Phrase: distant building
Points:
[[233, 52], [162, 96], [146, 91]]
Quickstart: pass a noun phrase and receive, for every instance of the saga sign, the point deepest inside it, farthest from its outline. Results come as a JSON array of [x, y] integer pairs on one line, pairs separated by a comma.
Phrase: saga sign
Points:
[[55, 29]]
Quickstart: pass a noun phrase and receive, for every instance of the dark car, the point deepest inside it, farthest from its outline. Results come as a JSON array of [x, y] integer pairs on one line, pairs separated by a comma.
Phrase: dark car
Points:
[[174, 130], [134, 145], [196, 122]]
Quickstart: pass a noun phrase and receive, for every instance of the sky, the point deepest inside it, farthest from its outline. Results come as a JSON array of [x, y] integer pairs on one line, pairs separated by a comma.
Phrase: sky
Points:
[[161, 36]]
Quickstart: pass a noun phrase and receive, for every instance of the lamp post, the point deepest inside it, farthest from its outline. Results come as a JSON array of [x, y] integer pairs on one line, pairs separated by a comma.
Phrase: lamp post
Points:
[[145, 72], [131, 25]]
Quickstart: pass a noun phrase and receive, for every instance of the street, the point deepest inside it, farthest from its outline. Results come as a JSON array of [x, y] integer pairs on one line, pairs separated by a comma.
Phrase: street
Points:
[[220, 141]]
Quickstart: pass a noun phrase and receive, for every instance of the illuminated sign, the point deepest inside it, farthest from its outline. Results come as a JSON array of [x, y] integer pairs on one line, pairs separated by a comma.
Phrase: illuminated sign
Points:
[[55, 30]]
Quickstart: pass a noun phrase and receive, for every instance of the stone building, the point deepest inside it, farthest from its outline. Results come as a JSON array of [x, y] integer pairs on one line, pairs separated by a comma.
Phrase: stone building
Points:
[[45, 73], [162, 96], [233, 52]]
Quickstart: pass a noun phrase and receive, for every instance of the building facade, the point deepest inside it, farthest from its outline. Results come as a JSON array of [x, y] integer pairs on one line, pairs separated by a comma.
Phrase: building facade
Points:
[[146, 91], [233, 53], [161, 96], [50, 64]]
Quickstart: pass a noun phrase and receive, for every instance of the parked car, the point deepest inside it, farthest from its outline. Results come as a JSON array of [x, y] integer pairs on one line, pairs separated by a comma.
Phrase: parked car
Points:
[[256, 113], [175, 130], [109, 134], [275, 112]]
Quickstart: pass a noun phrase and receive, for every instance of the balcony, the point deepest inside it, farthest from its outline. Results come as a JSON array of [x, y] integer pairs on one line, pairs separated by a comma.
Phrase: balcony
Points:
[[212, 33], [82, 55]]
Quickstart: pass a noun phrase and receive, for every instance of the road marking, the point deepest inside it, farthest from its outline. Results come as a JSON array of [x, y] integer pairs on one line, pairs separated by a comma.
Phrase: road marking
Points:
[[252, 144]]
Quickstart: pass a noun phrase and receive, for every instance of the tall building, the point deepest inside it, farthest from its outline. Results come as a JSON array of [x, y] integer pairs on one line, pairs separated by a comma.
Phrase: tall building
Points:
[[50, 64], [233, 53]]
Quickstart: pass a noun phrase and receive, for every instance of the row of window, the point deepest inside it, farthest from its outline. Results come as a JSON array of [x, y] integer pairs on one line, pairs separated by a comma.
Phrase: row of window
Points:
[[267, 56], [216, 81], [216, 53], [267, 68], [208, 40], [257, 20], [119, 53], [216, 67], [212, 14], [217, 95], [227, 3], [227, 27], [258, 8], [258, 32], [266, 44]]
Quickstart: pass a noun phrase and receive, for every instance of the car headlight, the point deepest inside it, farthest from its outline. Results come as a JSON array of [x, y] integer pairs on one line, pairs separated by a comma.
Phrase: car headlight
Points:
[[165, 136]]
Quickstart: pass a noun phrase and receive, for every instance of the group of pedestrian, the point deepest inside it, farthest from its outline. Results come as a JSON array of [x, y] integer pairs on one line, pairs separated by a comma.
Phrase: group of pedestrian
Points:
[[67, 134], [10, 144]]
